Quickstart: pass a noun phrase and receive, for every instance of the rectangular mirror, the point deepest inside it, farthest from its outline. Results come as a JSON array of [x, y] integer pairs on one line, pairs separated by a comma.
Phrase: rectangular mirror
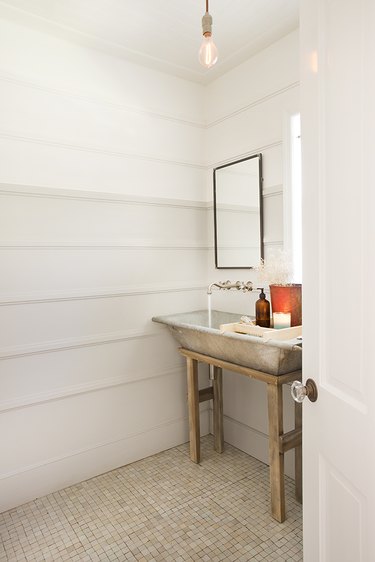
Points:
[[238, 214]]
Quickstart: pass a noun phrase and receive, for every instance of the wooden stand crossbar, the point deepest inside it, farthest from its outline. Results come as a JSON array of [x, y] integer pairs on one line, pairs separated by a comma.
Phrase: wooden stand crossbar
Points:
[[279, 442]]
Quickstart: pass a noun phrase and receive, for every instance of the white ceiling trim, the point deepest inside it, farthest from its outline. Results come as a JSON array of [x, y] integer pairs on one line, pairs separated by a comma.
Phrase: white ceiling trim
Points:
[[68, 33], [244, 27]]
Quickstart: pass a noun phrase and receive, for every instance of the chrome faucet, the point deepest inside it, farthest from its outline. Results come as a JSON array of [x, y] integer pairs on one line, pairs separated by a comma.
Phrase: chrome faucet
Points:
[[227, 285]]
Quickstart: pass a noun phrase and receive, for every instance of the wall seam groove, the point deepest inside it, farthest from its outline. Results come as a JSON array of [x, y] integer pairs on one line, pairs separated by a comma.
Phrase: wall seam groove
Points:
[[273, 190], [273, 194], [252, 152], [93, 246], [74, 343], [136, 156], [273, 243], [100, 102], [83, 388], [252, 104], [18, 190], [33, 298], [154, 114], [98, 150]]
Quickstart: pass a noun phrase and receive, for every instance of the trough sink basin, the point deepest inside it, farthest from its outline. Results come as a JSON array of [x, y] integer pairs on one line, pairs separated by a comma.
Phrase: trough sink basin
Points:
[[192, 331]]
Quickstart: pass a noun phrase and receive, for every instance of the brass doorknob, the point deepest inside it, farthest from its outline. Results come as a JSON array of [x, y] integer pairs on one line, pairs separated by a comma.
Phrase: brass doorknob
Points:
[[299, 391]]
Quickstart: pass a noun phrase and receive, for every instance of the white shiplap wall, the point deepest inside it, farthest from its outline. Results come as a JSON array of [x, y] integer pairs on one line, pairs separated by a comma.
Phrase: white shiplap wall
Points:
[[246, 110], [102, 225], [105, 221]]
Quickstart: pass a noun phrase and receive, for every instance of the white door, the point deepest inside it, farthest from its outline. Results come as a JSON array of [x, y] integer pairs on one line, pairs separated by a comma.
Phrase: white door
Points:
[[338, 160]]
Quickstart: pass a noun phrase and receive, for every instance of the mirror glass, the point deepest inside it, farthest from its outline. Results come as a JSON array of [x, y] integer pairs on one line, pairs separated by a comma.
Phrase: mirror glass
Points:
[[238, 215]]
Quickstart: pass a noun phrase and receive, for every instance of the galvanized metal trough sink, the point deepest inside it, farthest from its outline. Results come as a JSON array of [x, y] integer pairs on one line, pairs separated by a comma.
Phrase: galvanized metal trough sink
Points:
[[194, 331]]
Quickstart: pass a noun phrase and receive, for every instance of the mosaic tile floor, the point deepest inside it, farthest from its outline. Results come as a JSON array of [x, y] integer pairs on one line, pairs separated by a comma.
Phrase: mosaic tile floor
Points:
[[163, 508]]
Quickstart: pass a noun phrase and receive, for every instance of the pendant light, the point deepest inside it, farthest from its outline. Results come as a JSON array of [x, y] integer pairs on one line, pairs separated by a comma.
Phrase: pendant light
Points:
[[208, 50]]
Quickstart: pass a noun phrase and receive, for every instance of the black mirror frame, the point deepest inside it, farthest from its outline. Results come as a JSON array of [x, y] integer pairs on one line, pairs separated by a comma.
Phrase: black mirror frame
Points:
[[261, 221]]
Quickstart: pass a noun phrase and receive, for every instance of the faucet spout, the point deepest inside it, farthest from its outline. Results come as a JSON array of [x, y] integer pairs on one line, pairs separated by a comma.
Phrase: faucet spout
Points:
[[218, 284], [239, 285]]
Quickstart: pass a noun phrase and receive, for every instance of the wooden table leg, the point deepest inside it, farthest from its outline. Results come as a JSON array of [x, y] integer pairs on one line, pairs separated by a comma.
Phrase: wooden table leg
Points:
[[298, 453], [276, 458], [218, 410], [193, 406]]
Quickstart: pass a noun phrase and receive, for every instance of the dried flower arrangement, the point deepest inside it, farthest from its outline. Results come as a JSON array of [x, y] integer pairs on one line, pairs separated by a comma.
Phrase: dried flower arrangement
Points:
[[277, 269]]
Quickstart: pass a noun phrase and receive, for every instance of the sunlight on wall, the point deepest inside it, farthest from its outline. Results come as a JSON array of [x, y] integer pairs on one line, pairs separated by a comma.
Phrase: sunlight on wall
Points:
[[296, 197]]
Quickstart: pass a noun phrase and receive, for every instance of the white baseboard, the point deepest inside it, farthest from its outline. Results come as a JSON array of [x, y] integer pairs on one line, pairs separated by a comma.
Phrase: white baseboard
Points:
[[253, 442], [55, 474]]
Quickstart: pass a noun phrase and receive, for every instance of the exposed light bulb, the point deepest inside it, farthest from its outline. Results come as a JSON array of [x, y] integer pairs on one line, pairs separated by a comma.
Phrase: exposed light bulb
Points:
[[208, 50]]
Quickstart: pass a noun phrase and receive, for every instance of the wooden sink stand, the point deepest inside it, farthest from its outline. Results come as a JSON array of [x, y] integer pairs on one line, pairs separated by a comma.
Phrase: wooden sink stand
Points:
[[279, 442]]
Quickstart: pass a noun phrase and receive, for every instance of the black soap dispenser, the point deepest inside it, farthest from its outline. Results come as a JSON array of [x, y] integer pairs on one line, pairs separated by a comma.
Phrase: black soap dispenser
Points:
[[262, 310]]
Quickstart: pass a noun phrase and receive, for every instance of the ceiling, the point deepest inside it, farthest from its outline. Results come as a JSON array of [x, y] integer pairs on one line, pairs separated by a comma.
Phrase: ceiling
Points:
[[163, 34]]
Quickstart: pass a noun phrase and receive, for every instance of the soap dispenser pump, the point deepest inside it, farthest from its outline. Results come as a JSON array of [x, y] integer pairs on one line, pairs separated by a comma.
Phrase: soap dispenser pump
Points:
[[262, 310]]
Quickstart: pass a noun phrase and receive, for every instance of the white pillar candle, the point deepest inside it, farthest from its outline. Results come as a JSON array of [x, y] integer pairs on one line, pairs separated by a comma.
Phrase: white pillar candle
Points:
[[281, 320]]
